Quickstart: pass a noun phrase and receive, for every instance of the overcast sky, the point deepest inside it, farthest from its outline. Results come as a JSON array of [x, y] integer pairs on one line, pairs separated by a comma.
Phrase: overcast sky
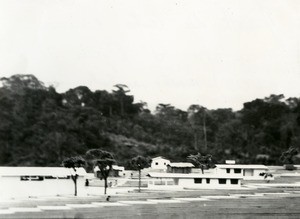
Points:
[[218, 54]]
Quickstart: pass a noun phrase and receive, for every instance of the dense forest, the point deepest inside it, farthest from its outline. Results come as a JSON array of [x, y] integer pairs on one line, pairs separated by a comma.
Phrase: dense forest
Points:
[[41, 127]]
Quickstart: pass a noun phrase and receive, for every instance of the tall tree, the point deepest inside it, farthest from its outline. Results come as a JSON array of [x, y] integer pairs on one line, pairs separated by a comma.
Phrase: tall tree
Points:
[[74, 163], [139, 163], [197, 119], [120, 93], [103, 160]]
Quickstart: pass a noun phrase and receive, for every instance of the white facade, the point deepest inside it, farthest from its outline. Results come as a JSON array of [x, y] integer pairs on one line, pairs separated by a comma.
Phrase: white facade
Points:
[[200, 181], [160, 163], [39, 181], [247, 172]]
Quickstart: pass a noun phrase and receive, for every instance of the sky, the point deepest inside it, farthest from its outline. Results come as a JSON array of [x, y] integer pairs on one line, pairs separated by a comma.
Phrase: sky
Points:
[[218, 54]]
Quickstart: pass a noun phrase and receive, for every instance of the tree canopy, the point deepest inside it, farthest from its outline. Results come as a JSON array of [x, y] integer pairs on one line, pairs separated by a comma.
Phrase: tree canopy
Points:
[[41, 127]]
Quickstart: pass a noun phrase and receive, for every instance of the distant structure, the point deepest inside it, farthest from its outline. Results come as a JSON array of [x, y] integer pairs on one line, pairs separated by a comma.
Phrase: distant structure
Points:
[[160, 163], [39, 181], [179, 167], [246, 171], [193, 181], [117, 171]]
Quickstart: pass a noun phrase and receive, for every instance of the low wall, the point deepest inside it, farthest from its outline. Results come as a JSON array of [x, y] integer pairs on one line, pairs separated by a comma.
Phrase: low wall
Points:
[[14, 187]]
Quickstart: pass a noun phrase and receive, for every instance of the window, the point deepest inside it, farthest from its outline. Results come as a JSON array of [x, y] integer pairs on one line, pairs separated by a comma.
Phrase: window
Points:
[[24, 178], [156, 163], [164, 163], [234, 181], [66, 177], [31, 178], [159, 183], [198, 180], [207, 181], [227, 170], [50, 177], [222, 181], [237, 170], [37, 178]]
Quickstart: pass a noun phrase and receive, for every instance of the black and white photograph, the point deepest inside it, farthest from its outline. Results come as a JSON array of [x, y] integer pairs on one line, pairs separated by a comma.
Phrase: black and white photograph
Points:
[[169, 109]]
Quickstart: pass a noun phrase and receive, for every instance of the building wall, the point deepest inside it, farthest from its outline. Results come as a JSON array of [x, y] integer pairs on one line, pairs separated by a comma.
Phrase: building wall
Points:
[[214, 183], [232, 171], [256, 175], [14, 187], [160, 164], [179, 169], [190, 183], [247, 174]]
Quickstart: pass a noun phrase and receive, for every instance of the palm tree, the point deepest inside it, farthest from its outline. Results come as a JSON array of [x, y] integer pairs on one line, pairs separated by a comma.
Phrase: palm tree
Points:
[[197, 118], [120, 94]]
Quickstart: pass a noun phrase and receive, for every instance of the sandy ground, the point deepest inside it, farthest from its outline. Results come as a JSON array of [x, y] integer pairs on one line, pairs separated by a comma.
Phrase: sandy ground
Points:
[[277, 199], [271, 202]]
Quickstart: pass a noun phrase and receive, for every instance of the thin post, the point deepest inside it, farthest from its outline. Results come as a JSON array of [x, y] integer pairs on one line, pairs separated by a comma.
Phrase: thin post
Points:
[[139, 180]]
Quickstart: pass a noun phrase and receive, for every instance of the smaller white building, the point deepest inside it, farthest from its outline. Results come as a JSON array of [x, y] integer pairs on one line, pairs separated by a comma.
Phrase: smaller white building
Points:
[[160, 163], [193, 181], [40, 181], [246, 171], [117, 171]]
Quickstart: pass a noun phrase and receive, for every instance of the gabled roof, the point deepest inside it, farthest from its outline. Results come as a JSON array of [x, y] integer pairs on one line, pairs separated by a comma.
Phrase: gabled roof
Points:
[[193, 175], [181, 164], [40, 171], [160, 158], [242, 166]]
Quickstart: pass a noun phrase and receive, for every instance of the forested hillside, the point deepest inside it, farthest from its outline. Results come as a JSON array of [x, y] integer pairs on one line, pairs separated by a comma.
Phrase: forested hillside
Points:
[[41, 127]]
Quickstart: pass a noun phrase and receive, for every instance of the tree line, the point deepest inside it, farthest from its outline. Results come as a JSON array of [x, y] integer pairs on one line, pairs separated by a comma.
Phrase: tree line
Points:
[[41, 127]]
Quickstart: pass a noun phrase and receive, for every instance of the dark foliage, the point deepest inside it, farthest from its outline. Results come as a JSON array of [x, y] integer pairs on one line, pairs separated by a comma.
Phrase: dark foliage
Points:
[[201, 161], [103, 160], [73, 163], [40, 127], [139, 163], [287, 156]]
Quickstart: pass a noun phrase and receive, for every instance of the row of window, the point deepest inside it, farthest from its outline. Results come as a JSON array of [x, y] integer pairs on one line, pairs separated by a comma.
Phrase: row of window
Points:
[[41, 178], [162, 183], [221, 181], [156, 163], [234, 170]]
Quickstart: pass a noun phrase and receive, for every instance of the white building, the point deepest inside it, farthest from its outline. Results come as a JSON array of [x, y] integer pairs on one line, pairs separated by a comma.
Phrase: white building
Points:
[[193, 181], [246, 171], [116, 171], [39, 181], [160, 163]]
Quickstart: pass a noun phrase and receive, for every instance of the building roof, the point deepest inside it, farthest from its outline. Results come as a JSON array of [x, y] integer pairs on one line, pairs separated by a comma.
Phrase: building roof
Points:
[[40, 171], [242, 166], [182, 165], [114, 167], [193, 175], [160, 158]]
